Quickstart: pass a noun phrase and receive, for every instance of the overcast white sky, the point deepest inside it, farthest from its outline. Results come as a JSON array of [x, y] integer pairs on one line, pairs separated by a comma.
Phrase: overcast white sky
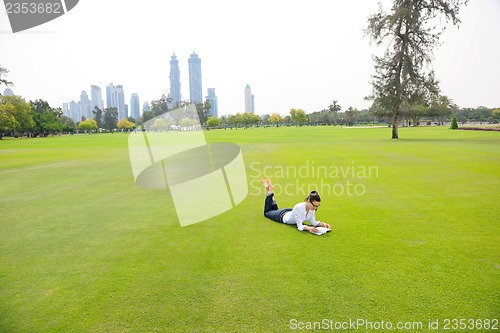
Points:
[[293, 54]]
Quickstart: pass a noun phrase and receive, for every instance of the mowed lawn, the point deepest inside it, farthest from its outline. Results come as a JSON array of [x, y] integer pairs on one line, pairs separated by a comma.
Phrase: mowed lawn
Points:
[[415, 235]]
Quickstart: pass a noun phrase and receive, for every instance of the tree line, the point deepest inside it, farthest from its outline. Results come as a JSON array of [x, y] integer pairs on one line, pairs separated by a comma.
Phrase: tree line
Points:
[[38, 118]]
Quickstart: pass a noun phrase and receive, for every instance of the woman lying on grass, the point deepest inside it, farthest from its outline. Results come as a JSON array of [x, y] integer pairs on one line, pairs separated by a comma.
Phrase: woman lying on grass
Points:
[[301, 212]]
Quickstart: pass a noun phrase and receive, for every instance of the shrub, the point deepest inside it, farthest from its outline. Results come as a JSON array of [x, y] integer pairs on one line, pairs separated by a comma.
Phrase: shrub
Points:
[[454, 124]]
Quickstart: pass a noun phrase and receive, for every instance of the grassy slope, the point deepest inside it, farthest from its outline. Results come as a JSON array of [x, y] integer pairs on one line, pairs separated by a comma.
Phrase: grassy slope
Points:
[[84, 249]]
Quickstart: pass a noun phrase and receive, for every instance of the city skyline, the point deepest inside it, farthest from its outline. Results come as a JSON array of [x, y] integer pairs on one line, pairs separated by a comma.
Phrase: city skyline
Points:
[[115, 95], [326, 57]]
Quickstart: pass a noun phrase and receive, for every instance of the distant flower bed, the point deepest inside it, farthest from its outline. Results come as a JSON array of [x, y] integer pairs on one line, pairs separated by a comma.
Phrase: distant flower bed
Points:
[[480, 128]]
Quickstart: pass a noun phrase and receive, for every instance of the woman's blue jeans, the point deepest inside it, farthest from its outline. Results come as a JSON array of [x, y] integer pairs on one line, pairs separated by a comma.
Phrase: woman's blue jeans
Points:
[[271, 210]]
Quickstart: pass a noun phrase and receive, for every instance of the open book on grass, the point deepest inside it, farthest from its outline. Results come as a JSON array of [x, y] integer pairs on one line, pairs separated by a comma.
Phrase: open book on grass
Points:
[[321, 231]]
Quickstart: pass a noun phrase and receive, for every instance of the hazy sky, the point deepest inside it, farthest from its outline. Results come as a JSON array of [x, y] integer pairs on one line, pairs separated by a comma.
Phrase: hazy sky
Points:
[[293, 54]]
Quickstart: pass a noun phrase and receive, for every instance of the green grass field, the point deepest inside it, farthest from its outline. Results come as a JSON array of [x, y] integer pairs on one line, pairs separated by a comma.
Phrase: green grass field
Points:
[[415, 236]]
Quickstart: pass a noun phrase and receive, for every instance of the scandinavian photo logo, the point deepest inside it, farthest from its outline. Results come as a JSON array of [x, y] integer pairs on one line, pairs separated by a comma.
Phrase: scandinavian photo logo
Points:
[[299, 180], [26, 14], [171, 151]]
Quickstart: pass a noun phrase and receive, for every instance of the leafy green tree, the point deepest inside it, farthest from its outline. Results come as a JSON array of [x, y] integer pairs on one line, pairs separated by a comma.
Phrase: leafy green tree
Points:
[[298, 116], [223, 120], [203, 110], [88, 125], [50, 123], [8, 121], [334, 108], [413, 112], [162, 124], [248, 119], [411, 30], [15, 115], [495, 113], [483, 113], [352, 115], [440, 108], [234, 119], [187, 122], [68, 124], [110, 118], [275, 119], [159, 106], [125, 124], [47, 119], [213, 121], [97, 112], [379, 112], [265, 119], [146, 116]]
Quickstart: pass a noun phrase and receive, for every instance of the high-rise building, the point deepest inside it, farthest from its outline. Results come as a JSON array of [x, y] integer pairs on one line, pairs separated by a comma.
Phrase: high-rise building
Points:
[[175, 81], [195, 90], [145, 107], [66, 109], [122, 107], [96, 97], [111, 96], [85, 105], [8, 92], [135, 111], [249, 100], [212, 99], [74, 112], [115, 98]]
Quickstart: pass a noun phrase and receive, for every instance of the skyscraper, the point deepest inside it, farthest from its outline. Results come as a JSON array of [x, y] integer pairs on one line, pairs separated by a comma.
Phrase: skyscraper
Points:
[[120, 98], [66, 109], [212, 99], [195, 90], [74, 111], [115, 98], [175, 81], [8, 92], [111, 96], [145, 107], [249, 100], [85, 105], [135, 111], [96, 97]]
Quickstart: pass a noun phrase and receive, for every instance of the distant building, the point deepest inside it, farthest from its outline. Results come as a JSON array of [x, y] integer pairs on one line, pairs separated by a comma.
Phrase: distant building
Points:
[[85, 105], [146, 107], [195, 89], [135, 111], [8, 92], [249, 100], [115, 98], [66, 109], [96, 97], [111, 96], [212, 99], [175, 82], [74, 112], [122, 107]]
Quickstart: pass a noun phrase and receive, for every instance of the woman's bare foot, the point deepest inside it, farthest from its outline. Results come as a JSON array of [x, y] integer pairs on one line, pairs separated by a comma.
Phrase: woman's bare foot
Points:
[[270, 186], [265, 183]]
